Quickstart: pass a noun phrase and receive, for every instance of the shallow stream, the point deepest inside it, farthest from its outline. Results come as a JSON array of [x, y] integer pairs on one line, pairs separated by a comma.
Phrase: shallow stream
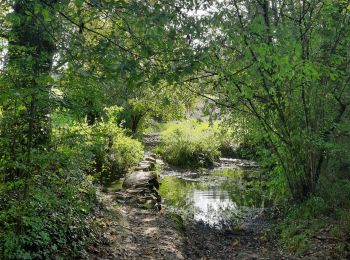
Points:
[[223, 195]]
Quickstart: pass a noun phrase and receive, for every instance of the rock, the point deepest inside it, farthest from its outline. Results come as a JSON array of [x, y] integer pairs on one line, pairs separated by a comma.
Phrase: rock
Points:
[[139, 187], [142, 200], [156, 197], [149, 204], [138, 179], [160, 162], [150, 159], [143, 167], [135, 191]]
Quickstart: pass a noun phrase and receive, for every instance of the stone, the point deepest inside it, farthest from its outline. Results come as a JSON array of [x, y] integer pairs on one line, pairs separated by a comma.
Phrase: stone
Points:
[[149, 204], [150, 159], [138, 179]]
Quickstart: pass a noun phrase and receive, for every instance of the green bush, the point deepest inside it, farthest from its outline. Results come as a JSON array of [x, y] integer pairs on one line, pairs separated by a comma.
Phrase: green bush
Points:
[[49, 213], [235, 138], [112, 151], [189, 144], [228, 145], [125, 153], [52, 217], [300, 224]]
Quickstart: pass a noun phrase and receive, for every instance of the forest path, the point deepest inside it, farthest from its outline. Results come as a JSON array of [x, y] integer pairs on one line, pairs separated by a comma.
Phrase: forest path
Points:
[[146, 234], [134, 227], [135, 232]]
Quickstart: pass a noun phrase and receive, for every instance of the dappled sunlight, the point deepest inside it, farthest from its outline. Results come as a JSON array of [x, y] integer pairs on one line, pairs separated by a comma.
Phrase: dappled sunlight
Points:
[[174, 129], [151, 231]]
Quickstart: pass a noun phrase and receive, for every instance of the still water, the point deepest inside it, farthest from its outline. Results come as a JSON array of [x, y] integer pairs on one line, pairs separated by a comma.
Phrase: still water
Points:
[[210, 205], [216, 196]]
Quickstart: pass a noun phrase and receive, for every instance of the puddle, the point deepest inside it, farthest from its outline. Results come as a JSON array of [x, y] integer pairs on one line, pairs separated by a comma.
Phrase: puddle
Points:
[[212, 205], [216, 196]]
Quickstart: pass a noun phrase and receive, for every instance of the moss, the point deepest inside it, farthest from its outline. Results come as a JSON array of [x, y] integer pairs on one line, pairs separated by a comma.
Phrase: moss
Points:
[[114, 186]]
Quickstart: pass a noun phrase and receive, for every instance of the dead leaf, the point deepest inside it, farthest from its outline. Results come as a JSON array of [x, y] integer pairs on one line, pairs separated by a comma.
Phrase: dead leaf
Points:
[[235, 242]]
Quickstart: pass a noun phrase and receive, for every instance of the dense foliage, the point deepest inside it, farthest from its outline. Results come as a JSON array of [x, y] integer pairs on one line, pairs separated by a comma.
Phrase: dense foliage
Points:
[[277, 72], [110, 150], [277, 64]]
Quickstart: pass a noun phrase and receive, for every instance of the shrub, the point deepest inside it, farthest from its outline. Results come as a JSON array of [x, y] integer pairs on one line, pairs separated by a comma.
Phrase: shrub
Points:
[[300, 224], [235, 138], [112, 152], [227, 142], [189, 144], [53, 218], [304, 221], [125, 153], [48, 213]]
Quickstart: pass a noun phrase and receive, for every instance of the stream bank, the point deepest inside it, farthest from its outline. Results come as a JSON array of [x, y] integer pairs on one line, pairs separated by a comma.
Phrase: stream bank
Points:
[[188, 226], [135, 233], [225, 215], [138, 230]]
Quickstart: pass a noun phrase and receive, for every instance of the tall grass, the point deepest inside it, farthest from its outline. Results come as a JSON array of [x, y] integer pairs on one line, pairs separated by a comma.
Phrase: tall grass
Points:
[[189, 144]]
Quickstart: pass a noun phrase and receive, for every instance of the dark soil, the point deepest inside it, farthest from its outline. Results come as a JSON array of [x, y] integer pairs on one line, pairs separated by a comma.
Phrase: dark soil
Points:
[[249, 241]]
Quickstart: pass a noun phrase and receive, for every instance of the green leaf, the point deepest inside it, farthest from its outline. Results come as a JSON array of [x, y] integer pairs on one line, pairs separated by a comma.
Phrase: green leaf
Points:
[[79, 3], [46, 15], [37, 8]]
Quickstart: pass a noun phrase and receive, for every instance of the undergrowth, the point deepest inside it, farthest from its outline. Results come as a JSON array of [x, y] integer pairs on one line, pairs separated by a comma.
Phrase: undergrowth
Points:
[[112, 151], [189, 144], [48, 211], [325, 215]]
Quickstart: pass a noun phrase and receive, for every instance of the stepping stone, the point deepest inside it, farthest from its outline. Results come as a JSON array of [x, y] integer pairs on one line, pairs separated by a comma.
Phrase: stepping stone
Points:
[[138, 178]]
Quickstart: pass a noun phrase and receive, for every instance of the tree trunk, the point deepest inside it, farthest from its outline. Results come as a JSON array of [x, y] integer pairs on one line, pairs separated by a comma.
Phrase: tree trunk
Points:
[[25, 125]]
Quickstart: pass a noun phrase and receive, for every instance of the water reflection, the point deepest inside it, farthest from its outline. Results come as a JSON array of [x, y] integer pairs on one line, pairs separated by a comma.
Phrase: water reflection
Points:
[[215, 196], [211, 204]]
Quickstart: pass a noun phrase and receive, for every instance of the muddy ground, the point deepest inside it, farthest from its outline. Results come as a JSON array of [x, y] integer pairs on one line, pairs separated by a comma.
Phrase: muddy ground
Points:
[[135, 233]]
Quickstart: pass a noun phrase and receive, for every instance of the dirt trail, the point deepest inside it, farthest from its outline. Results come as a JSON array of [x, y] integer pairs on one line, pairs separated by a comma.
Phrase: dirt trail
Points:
[[145, 234], [134, 232], [134, 226]]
